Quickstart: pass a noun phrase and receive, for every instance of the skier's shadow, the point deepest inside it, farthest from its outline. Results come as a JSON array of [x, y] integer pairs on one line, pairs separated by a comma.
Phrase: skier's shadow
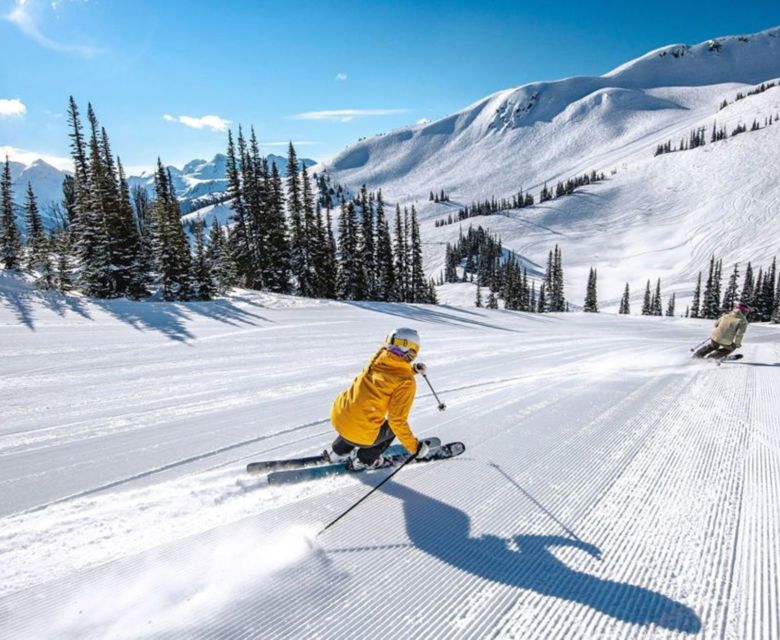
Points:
[[526, 562]]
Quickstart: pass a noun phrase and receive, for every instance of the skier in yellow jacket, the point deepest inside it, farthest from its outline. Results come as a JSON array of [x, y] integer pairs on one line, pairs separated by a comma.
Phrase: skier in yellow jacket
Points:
[[727, 334], [375, 408]]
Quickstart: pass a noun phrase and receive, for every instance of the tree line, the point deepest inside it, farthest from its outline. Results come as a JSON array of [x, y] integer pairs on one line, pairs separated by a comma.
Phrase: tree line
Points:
[[116, 242], [698, 137], [521, 200], [481, 259]]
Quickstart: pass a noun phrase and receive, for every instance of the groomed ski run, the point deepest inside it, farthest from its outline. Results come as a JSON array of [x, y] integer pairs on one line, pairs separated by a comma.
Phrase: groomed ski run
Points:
[[611, 486]]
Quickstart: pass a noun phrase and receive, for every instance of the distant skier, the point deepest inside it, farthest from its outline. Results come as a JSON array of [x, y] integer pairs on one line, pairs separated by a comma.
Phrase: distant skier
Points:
[[375, 409], [727, 334]]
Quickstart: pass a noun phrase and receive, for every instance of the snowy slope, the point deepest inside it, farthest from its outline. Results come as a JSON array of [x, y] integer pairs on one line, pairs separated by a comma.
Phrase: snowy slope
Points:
[[611, 487], [550, 131]]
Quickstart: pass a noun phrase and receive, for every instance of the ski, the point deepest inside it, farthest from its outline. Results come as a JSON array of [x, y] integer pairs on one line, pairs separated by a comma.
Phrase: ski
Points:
[[290, 476], [262, 466], [732, 358]]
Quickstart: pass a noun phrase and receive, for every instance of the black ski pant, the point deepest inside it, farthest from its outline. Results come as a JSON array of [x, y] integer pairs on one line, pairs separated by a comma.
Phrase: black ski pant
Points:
[[366, 454], [713, 349]]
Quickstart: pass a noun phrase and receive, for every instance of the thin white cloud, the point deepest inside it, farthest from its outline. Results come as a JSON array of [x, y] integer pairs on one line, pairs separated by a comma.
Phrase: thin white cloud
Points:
[[12, 107], [341, 76], [346, 115], [26, 16], [215, 123], [28, 157]]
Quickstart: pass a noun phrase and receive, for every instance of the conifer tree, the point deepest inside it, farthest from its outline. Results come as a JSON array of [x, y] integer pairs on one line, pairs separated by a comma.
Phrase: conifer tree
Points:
[[171, 249], [386, 281], [730, 295], [312, 237], [201, 269], [695, 304], [492, 301], [35, 236], [242, 247], [747, 286], [419, 288], [670, 307], [221, 263], [367, 242], [647, 308], [478, 301], [541, 305], [625, 304], [330, 262], [352, 282], [401, 258], [298, 240], [591, 298], [10, 242], [279, 271], [657, 303]]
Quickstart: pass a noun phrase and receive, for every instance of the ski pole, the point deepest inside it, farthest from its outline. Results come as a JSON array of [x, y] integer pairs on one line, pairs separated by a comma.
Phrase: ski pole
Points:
[[335, 520], [442, 406]]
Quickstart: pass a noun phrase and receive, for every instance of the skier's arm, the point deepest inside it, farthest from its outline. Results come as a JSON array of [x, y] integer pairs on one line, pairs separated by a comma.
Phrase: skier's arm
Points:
[[740, 332], [398, 414]]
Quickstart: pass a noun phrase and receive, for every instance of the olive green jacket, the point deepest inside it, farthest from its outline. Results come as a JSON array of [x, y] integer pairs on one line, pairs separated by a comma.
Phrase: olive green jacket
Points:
[[729, 329]]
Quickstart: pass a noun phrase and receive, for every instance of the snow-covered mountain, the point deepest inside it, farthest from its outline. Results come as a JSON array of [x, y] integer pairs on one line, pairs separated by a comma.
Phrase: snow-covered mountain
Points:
[[46, 182], [654, 216], [197, 180], [194, 182]]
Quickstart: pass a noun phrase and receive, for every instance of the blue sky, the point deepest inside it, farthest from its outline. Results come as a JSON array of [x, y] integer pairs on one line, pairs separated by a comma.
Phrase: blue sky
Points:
[[322, 74]]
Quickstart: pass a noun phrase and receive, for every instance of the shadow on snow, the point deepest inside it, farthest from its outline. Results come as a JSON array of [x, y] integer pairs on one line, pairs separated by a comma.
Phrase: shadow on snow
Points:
[[527, 562], [168, 318]]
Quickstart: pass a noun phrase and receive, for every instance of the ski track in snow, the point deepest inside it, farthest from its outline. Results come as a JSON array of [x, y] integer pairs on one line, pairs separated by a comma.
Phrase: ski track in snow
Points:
[[611, 487]]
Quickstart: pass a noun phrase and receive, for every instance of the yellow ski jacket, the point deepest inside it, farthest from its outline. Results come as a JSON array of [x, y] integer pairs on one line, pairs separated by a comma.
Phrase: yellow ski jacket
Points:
[[384, 390]]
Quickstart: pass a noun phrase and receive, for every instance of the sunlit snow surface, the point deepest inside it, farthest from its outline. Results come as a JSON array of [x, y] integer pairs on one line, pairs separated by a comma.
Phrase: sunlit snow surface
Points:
[[611, 486]]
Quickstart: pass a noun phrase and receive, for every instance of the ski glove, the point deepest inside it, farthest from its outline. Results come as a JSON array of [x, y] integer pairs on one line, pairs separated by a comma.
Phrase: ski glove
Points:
[[423, 449], [419, 367]]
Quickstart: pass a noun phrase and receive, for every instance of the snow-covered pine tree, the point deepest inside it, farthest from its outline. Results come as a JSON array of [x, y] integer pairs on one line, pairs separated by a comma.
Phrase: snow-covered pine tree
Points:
[[35, 236], [419, 288], [402, 267], [591, 298], [329, 275], [746, 295], [670, 306], [310, 276], [708, 299], [732, 289], [203, 283], [385, 266], [478, 300], [279, 271], [716, 289], [695, 304], [492, 301], [647, 303], [351, 275], [134, 259], [295, 213], [171, 250], [240, 240], [625, 304], [657, 303], [221, 263], [541, 304]]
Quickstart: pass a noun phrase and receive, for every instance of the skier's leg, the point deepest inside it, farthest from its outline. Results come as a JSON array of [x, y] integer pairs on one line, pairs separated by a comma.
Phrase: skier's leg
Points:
[[705, 350], [384, 439], [341, 447]]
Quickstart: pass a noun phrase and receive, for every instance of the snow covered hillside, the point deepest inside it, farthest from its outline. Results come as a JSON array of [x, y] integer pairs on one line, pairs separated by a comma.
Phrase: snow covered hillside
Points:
[[611, 487], [654, 216]]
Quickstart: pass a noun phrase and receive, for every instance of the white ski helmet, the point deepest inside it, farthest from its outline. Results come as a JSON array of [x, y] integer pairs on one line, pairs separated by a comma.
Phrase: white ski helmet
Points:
[[405, 340]]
